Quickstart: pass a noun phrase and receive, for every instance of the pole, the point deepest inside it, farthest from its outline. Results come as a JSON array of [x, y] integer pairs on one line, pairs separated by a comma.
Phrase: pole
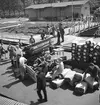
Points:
[[72, 10], [51, 12]]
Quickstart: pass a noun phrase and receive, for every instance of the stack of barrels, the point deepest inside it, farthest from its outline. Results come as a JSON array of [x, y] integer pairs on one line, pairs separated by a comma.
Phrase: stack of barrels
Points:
[[87, 52]]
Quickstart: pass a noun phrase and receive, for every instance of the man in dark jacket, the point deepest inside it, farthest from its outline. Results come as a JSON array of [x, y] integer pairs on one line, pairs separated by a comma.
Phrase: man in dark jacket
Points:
[[61, 29], [41, 85], [58, 37]]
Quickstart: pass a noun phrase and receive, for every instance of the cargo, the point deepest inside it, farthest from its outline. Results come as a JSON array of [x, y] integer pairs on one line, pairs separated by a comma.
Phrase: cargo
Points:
[[91, 81], [74, 44], [57, 83], [69, 77], [81, 88]]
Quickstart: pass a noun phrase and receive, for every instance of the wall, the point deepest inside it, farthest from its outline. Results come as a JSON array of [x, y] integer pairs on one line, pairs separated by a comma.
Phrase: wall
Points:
[[49, 12], [59, 13], [32, 14]]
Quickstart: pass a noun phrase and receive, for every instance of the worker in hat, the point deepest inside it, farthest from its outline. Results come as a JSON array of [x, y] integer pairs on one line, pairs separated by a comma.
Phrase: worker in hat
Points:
[[31, 40], [59, 68]]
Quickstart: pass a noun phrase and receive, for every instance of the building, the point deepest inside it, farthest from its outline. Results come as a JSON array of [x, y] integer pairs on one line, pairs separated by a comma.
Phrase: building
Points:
[[58, 11]]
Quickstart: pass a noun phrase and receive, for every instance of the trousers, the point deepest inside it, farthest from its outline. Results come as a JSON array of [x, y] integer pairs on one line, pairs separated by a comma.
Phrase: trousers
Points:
[[44, 92]]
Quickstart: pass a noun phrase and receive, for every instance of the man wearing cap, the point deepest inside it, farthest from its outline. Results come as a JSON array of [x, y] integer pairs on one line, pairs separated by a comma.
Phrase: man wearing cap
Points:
[[41, 85], [31, 40], [59, 68]]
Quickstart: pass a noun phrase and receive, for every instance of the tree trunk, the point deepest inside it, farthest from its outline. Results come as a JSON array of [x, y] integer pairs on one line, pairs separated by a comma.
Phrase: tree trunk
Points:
[[4, 13], [9, 12], [14, 12]]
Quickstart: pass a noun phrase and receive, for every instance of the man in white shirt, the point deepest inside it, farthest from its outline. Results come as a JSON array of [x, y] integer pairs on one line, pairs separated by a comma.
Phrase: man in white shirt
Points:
[[19, 53], [22, 66], [59, 68]]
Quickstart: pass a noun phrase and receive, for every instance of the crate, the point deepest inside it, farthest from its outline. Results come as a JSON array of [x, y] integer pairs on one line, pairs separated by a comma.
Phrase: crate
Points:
[[79, 53], [74, 45], [85, 46], [97, 48], [74, 58], [85, 58], [88, 43], [91, 49], [73, 51], [96, 59], [92, 45]]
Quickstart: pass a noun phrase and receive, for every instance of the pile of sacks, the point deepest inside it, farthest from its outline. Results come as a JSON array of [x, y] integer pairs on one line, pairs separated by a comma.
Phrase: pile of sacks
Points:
[[75, 79]]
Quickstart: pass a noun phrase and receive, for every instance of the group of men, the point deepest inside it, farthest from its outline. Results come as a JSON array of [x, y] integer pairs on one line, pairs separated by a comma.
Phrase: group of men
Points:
[[51, 30], [60, 33], [44, 65]]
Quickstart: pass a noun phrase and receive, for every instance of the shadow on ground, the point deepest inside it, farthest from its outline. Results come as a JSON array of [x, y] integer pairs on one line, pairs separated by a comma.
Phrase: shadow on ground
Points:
[[35, 103], [11, 84], [3, 62], [28, 82], [32, 103], [9, 70]]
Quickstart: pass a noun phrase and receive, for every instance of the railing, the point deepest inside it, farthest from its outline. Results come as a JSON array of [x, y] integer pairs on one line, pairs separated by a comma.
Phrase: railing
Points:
[[79, 26]]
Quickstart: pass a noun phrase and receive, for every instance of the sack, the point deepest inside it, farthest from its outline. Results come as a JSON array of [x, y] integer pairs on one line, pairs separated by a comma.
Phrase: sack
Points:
[[77, 78], [69, 77], [91, 81], [57, 83], [81, 88], [65, 71]]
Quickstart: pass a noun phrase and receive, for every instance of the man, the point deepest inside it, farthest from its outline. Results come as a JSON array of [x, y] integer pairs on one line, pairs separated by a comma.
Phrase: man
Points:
[[41, 85], [59, 68], [94, 71], [22, 66], [43, 35], [51, 47], [97, 33], [1, 50], [44, 65], [19, 53], [12, 53], [61, 31], [47, 27], [58, 37], [19, 43], [53, 30], [31, 40]]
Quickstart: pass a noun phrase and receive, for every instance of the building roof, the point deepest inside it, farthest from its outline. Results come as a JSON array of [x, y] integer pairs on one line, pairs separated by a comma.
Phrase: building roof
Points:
[[38, 6], [60, 4]]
